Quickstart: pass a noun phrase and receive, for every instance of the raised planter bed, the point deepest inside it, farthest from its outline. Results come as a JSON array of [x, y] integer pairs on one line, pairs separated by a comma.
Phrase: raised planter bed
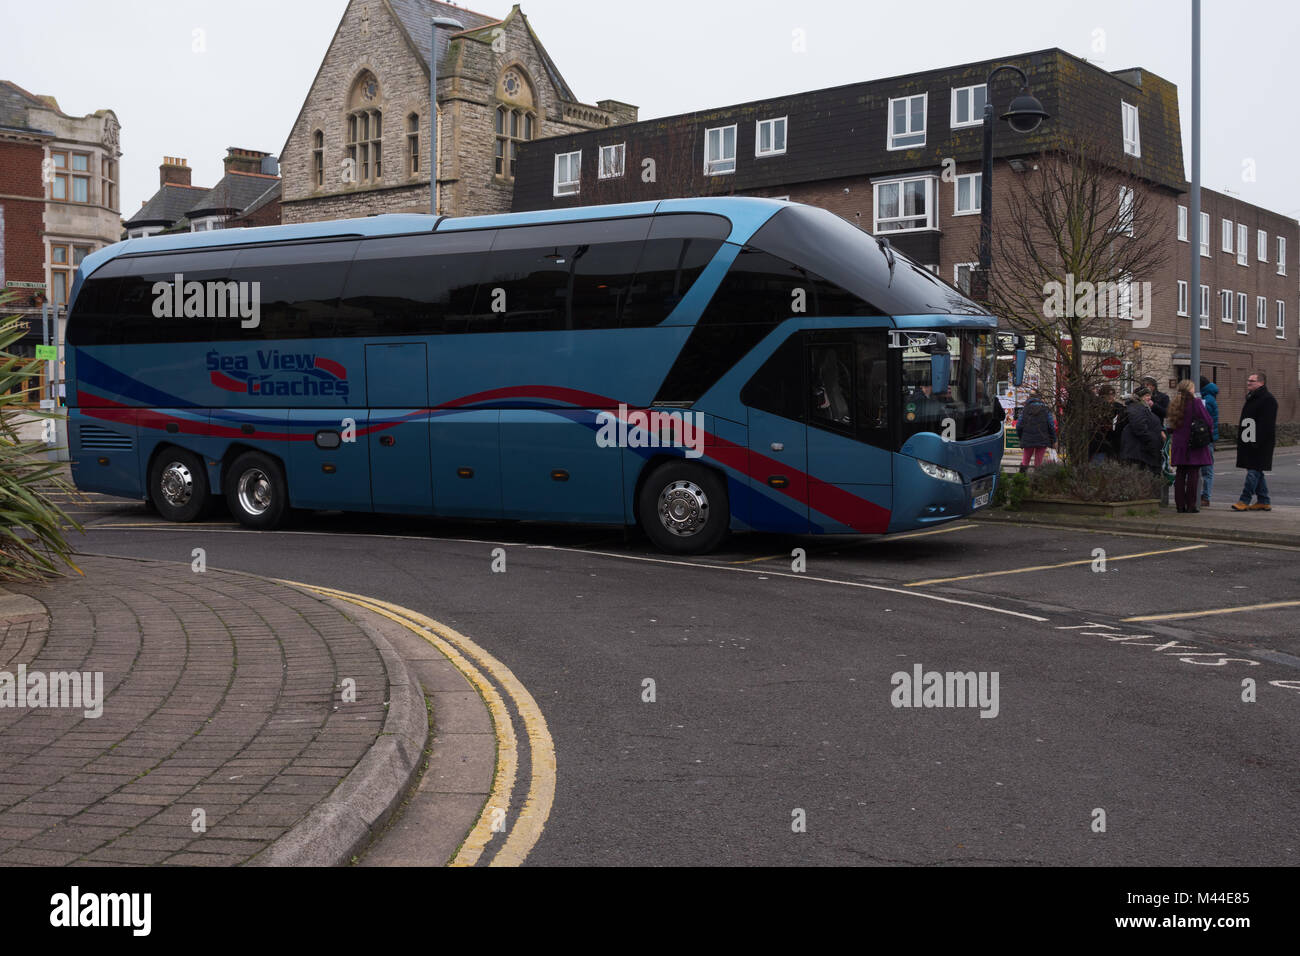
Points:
[[1104, 509]]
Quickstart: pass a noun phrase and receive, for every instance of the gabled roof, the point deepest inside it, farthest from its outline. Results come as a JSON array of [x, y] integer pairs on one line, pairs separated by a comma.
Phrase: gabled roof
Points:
[[414, 17], [236, 191], [167, 205], [270, 196]]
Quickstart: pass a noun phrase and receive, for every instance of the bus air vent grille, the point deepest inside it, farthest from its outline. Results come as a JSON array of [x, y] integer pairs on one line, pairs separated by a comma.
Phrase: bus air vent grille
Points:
[[98, 438]]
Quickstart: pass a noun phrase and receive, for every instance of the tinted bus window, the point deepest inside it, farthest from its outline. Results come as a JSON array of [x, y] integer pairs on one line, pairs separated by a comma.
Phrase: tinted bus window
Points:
[[149, 308], [778, 386], [414, 285], [93, 319], [676, 252], [854, 261], [563, 276], [296, 287]]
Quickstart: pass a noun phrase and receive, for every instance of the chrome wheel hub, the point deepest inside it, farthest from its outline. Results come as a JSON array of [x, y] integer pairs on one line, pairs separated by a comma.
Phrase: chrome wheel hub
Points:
[[254, 491], [683, 508], [177, 485]]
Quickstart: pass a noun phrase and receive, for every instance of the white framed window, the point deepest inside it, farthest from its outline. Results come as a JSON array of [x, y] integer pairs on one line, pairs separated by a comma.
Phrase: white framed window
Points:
[[1225, 305], [1125, 298], [1261, 245], [1205, 306], [903, 205], [907, 121], [968, 105], [1132, 136], [769, 137], [1182, 297], [961, 275], [1281, 255], [720, 151], [1227, 234], [1261, 312], [1281, 319], [1243, 244], [568, 167], [1205, 234], [612, 161], [1126, 199], [1243, 307], [967, 193], [1182, 223]]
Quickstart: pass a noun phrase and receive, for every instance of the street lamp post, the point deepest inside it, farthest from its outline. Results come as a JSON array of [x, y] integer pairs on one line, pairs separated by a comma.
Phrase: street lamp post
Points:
[[433, 106], [1024, 114]]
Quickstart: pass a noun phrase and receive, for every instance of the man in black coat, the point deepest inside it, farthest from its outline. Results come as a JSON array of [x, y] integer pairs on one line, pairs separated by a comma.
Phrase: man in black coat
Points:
[[1256, 435], [1140, 441], [1159, 400]]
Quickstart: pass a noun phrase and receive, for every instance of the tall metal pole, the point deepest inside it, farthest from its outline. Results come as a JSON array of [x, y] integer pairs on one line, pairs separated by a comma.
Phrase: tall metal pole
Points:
[[433, 105], [1194, 227]]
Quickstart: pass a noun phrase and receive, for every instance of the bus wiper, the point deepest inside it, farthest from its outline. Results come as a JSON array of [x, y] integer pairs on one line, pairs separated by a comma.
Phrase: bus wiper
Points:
[[888, 252]]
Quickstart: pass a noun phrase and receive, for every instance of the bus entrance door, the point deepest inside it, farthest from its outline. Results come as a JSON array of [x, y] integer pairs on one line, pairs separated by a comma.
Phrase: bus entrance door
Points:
[[778, 465], [397, 391]]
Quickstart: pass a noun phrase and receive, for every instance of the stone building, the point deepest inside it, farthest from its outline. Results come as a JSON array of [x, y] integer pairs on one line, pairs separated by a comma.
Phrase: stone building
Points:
[[247, 195], [58, 200], [360, 143]]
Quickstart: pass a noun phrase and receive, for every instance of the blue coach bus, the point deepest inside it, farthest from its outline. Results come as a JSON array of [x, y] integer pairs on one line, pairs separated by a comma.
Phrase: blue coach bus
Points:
[[692, 366]]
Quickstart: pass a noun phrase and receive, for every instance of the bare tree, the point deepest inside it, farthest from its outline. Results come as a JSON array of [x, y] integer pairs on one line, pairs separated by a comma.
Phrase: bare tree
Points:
[[1076, 246]]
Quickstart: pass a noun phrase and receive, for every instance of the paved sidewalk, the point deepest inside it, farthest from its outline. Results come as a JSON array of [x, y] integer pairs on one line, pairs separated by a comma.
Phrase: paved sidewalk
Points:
[[222, 705], [1281, 526]]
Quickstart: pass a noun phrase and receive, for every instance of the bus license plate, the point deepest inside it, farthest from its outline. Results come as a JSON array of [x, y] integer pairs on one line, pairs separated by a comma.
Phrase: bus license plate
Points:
[[980, 502], [981, 489]]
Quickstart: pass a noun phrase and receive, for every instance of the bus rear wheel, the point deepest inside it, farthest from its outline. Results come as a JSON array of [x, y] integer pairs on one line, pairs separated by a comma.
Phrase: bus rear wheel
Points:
[[684, 508], [178, 486], [256, 491]]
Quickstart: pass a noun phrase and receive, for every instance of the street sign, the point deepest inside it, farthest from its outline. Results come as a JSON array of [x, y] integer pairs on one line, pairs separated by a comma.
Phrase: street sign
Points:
[[47, 353], [1111, 367]]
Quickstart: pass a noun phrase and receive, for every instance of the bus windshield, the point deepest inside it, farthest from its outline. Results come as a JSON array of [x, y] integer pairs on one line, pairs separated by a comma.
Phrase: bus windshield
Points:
[[970, 408]]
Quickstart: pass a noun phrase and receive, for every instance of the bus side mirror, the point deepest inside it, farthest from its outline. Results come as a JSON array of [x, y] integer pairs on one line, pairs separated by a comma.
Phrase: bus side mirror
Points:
[[940, 371], [1020, 367]]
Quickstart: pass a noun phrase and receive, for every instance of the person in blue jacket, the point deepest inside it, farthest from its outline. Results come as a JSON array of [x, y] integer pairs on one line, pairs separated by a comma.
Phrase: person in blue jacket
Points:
[[1210, 396]]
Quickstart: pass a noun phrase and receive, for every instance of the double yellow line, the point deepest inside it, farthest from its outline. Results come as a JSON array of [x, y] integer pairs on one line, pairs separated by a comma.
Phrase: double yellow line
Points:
[[477, 664]]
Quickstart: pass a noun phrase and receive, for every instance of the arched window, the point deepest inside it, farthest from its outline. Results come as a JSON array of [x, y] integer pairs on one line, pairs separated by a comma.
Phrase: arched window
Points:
[[413, 144], [318, 158], [365, 131], [516, 119]]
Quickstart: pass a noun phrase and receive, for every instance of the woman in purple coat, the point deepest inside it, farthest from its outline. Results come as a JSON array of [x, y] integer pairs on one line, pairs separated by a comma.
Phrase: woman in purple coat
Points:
[[1184, 409]]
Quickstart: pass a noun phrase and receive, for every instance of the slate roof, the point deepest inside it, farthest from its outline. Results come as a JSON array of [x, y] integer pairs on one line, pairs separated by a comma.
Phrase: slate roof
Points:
[[167, 205], [235, 192], [269, 196], [14, 104]]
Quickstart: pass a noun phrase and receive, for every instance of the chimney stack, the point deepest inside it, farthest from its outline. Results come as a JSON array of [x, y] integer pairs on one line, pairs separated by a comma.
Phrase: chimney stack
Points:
[[244, 160], [174, 170]]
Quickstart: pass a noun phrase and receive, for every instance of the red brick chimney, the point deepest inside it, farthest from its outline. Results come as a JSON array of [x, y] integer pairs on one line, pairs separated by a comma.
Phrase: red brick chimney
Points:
[[244, 160], [174, 170]]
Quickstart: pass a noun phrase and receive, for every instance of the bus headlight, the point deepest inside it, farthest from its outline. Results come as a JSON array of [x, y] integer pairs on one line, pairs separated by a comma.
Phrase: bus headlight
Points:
[[938, 471]]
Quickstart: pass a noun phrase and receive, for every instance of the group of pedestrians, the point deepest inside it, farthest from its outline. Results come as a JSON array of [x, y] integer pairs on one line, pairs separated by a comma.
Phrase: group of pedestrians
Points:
[[1137, 431]]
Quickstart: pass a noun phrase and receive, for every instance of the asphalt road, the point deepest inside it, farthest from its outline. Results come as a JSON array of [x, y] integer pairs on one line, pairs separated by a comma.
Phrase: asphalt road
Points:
[[772, 687]]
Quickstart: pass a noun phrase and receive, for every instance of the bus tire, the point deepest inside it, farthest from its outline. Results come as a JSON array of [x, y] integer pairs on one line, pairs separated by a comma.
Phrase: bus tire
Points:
[[178, 486], [684, 508], [256, 492]]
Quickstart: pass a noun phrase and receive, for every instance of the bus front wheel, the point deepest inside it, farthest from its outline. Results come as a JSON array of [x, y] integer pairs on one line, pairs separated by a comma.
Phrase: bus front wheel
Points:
[[178, 486], [684, 508], [256, 491]]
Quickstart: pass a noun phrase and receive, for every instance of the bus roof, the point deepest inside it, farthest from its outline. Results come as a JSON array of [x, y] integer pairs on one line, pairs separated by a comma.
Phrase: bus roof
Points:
[[745, 213]]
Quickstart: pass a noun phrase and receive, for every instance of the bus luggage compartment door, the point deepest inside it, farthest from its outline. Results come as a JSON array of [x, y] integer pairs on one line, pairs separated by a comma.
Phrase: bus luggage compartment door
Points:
[[397, 378], [553, 468]]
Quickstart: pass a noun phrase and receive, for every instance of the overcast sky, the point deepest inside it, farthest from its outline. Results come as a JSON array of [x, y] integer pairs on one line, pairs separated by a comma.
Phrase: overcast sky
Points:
[[137, 57]]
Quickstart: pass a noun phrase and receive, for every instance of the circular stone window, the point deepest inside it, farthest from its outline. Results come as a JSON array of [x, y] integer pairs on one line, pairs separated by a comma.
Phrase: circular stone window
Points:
[[512, 84]]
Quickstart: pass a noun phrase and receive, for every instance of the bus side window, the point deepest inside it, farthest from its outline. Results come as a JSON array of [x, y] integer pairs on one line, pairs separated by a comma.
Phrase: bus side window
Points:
[[830, 378], [778, 385], [299, 287], [141, 316]]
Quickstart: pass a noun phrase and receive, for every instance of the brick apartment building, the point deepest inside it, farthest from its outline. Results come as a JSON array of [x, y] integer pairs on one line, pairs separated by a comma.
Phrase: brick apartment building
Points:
[[360, 144], [58, 199], [876, 153], [247, 195]]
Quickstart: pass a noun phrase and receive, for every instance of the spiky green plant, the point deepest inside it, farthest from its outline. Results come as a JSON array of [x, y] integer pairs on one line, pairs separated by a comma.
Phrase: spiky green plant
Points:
[[33, 542]]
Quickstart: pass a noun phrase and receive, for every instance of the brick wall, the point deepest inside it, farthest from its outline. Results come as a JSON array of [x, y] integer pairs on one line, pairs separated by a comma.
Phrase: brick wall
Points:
[[20, 175]]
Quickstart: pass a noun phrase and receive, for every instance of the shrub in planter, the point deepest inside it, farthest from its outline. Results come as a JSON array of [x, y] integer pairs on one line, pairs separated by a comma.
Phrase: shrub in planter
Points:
[[1105, 481], [32, 527]]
